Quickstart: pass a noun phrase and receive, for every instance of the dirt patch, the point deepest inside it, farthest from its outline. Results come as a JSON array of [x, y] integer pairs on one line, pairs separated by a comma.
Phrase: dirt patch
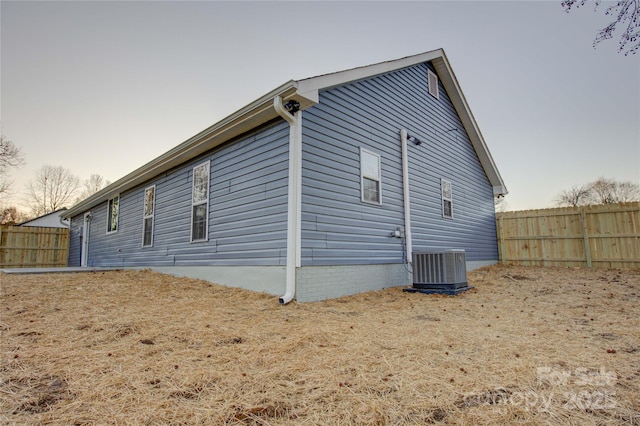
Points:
[[44, 393], [526, 346]]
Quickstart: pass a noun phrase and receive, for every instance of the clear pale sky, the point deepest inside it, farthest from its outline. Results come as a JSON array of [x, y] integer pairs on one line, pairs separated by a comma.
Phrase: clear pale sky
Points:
[[105, 87]]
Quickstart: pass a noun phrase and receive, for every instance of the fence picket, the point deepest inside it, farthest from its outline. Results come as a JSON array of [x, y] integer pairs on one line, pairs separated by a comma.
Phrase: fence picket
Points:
[[33, 247], [602, 236]]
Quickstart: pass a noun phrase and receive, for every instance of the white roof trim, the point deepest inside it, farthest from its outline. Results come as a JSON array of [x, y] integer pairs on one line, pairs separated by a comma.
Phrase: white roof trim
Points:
[[256, 113], [310, 87], [450, 82], [306, 92]]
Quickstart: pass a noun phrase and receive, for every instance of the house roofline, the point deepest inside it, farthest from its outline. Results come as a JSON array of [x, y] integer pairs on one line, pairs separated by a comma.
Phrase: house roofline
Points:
[[305, 91], [450, 82], [310, 87], [60, 210], [254, 114]]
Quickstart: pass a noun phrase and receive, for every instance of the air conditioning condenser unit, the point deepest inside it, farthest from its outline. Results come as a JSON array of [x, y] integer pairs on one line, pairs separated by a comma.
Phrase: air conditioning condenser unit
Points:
[[442, 272]]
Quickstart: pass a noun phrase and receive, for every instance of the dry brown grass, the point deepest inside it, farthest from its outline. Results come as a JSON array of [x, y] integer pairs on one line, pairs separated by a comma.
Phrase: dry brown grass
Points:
[[137, 347]]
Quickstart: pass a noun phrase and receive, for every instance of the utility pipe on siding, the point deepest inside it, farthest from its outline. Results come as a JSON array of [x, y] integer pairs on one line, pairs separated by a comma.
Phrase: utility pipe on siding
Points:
[[294, 215], [407, 201]]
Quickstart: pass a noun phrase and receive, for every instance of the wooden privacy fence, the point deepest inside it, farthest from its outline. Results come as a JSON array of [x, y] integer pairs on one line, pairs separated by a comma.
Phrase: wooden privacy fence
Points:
[[603, 236], [33, 247]]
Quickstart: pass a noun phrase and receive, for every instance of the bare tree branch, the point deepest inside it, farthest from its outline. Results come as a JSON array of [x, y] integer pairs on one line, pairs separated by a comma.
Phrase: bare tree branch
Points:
[[51, 189], [11, 216], [600, 191], [624, 192], [625, 12], [92, 185], [10, 158], [500, 205], [576, 196]]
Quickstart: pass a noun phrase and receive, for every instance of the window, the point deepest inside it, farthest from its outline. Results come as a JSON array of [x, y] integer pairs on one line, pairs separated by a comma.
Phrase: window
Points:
[[200, 202], [370, 177], [433, 84], [447, 200], [147, 216], [112, 214]]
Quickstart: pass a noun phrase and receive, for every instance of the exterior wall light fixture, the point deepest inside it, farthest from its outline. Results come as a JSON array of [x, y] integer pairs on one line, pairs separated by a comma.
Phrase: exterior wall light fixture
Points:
[[415, 140], [292, 106]]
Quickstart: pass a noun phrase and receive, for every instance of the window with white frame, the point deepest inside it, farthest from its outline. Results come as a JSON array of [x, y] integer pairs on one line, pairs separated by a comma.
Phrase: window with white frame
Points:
[[148, 215], [447, 198], [112, 214], [370, 177], [432, 81], [200, 202]]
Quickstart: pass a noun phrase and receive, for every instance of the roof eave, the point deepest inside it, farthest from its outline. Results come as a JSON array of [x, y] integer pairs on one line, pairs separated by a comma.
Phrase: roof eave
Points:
[[450, 83], [310, 88], [306, 92], [256, 113]]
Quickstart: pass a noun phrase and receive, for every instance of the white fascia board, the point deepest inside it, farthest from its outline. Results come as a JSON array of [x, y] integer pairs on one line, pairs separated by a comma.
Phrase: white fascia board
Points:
[[256, 113], [306, 92], [310, 87], [500, 191], [450, 83]]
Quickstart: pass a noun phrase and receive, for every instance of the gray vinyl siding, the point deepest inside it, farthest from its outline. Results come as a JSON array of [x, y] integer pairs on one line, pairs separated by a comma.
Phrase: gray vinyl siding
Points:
[[248, 189], [337, 227], [247, 211]]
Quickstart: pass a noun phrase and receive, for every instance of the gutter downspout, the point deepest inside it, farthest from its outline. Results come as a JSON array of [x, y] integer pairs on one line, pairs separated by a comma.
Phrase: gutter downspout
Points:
[[86, 231], [407, 200], [294, 204]]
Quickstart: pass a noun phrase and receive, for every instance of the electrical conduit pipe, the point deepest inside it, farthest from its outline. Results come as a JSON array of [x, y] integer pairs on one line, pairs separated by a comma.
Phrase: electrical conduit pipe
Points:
[[407, 200]]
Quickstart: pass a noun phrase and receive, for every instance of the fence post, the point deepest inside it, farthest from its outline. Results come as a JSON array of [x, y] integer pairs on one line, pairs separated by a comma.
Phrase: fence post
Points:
[[635, 232], [499, 238], [585, 236]]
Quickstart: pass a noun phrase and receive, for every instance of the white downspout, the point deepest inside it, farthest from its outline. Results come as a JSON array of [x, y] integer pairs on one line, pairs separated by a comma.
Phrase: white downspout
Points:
[[86, 231], [407, 200], [294, 203]]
